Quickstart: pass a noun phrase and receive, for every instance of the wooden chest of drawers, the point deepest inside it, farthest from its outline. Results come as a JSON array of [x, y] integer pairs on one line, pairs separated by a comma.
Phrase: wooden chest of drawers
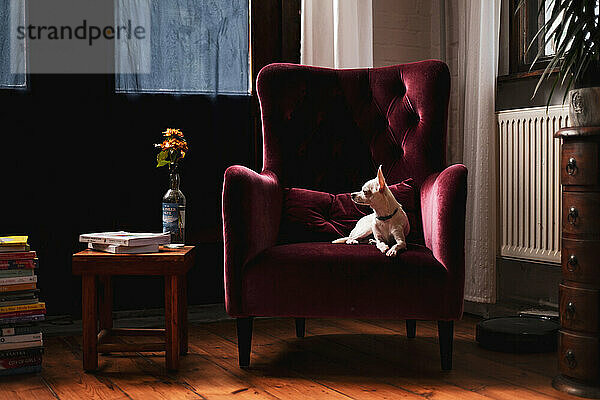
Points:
[[579, 294]]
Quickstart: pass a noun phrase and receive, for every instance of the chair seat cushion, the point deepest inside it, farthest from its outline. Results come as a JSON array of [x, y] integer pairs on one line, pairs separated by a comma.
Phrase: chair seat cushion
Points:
[[312, 216], [348, 281]]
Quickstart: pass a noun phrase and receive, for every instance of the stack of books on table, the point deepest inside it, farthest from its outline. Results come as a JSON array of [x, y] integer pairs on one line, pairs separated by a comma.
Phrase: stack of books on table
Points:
[[125, 242], [21, 345]]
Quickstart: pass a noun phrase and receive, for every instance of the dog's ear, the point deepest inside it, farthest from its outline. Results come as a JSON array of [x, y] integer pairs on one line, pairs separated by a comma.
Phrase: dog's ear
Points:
[[381, 179]]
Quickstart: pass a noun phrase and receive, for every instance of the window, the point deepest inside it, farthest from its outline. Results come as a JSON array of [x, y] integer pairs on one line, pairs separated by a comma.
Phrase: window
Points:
[[193, 46], [12, 61], [525, 23]]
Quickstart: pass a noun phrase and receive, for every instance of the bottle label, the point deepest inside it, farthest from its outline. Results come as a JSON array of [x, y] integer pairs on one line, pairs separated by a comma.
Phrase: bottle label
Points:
[[173, 218]]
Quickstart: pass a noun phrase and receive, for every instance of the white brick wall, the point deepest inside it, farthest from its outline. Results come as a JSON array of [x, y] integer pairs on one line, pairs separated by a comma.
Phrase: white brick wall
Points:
[[455, 138], [402, 31], [409, 30]]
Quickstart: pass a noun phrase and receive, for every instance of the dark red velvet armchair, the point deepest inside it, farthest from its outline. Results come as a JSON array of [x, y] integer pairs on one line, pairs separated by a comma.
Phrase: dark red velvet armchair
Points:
[[327, 131]]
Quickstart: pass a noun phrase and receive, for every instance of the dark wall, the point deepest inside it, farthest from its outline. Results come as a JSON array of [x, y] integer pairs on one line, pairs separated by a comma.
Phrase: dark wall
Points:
[[76, 157]]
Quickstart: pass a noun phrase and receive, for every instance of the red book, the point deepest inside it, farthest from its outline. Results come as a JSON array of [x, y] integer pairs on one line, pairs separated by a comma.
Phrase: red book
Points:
[[19, 264], [22, 314], [21, 255]]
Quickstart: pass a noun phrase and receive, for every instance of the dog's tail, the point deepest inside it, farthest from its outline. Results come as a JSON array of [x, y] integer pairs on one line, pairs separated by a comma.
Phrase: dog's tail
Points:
[[340, 240]]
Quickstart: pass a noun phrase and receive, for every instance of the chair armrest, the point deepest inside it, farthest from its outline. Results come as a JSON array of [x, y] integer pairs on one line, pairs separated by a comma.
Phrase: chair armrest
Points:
[[252, 206], [443, 209]]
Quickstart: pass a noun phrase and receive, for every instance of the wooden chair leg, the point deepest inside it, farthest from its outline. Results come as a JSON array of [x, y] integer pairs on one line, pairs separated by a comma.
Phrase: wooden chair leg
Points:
[[244, 334], [411, 328], [446, 337], [300, 327]]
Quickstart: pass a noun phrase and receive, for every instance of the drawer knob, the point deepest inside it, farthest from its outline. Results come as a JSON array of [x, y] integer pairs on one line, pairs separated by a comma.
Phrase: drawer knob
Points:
[[573, 215], [570, 310], [572, 263], [572, 166], [570, 359]]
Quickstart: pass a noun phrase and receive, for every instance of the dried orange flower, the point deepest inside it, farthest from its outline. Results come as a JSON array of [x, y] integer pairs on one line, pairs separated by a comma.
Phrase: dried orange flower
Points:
[[172, 132], [173, 148]]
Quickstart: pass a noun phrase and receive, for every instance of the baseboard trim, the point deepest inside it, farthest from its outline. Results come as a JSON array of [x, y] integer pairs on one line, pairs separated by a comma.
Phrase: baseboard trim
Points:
[[505, 308]]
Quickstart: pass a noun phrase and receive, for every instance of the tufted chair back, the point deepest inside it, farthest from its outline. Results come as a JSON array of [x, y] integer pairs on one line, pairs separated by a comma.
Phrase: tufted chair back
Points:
[[329, 130]]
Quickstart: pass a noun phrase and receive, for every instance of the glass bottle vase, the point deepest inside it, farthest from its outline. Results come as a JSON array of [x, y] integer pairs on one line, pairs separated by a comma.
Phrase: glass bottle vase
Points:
[[173, 212]]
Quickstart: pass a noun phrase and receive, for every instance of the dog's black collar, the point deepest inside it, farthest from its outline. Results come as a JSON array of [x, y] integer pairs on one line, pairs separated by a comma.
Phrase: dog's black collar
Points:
[[387, 216]]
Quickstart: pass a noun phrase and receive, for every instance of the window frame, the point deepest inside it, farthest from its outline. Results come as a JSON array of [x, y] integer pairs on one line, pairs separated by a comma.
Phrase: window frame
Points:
[[520, 27]]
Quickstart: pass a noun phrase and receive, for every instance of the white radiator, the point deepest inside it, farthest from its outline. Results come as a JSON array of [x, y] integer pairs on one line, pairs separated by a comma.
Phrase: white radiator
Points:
[[529, 182]]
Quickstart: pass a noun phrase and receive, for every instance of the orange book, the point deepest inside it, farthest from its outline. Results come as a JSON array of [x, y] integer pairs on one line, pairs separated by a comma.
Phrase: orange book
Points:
[[17, 288]]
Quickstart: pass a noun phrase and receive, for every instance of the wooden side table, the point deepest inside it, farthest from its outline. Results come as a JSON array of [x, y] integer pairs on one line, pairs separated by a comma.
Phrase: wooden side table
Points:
[[95, 266]]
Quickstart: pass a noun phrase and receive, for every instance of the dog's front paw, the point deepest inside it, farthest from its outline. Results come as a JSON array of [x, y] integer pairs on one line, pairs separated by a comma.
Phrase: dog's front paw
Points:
[[393, 251], [382, 247], [351, 241]]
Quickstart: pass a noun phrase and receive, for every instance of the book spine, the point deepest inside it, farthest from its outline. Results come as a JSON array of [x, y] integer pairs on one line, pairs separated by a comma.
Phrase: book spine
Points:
[[16, 314], [21, 345], [19, 362], [108, 248], [22, 320], [117, 249], [18, 280], [13, 240], [23, 255], [16, 288], [21, 352], [17, 300], [21, 338], [15, 249], [20, 330], [26, 307], [15, 273], [116, 241], [23, 370], [91, 239], [137, 241], [19, 264]]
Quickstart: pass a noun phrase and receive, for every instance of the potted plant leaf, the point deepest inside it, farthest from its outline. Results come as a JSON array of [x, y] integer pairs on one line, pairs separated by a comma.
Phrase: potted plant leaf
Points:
[[572, 27]]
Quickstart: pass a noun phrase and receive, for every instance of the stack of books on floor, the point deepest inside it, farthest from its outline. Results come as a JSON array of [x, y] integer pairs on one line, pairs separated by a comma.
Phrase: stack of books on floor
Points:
[[125, 242], [21, 344]]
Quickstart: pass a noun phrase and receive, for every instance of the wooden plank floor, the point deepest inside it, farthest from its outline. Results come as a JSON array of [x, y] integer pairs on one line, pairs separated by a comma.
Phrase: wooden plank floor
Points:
[[338, 359]]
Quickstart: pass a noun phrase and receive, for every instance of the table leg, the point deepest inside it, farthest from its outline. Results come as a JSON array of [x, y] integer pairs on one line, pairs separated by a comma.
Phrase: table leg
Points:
[[106, 303], [89, 322], [183, 315], [172, 321]]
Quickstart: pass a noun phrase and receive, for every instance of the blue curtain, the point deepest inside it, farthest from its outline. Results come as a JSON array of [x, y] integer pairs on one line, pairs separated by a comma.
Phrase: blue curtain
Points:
[[12, 50], [193, 46]]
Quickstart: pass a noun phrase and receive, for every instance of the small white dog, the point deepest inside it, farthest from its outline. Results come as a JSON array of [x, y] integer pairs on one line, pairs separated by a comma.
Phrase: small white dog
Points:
[[388, 224]]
